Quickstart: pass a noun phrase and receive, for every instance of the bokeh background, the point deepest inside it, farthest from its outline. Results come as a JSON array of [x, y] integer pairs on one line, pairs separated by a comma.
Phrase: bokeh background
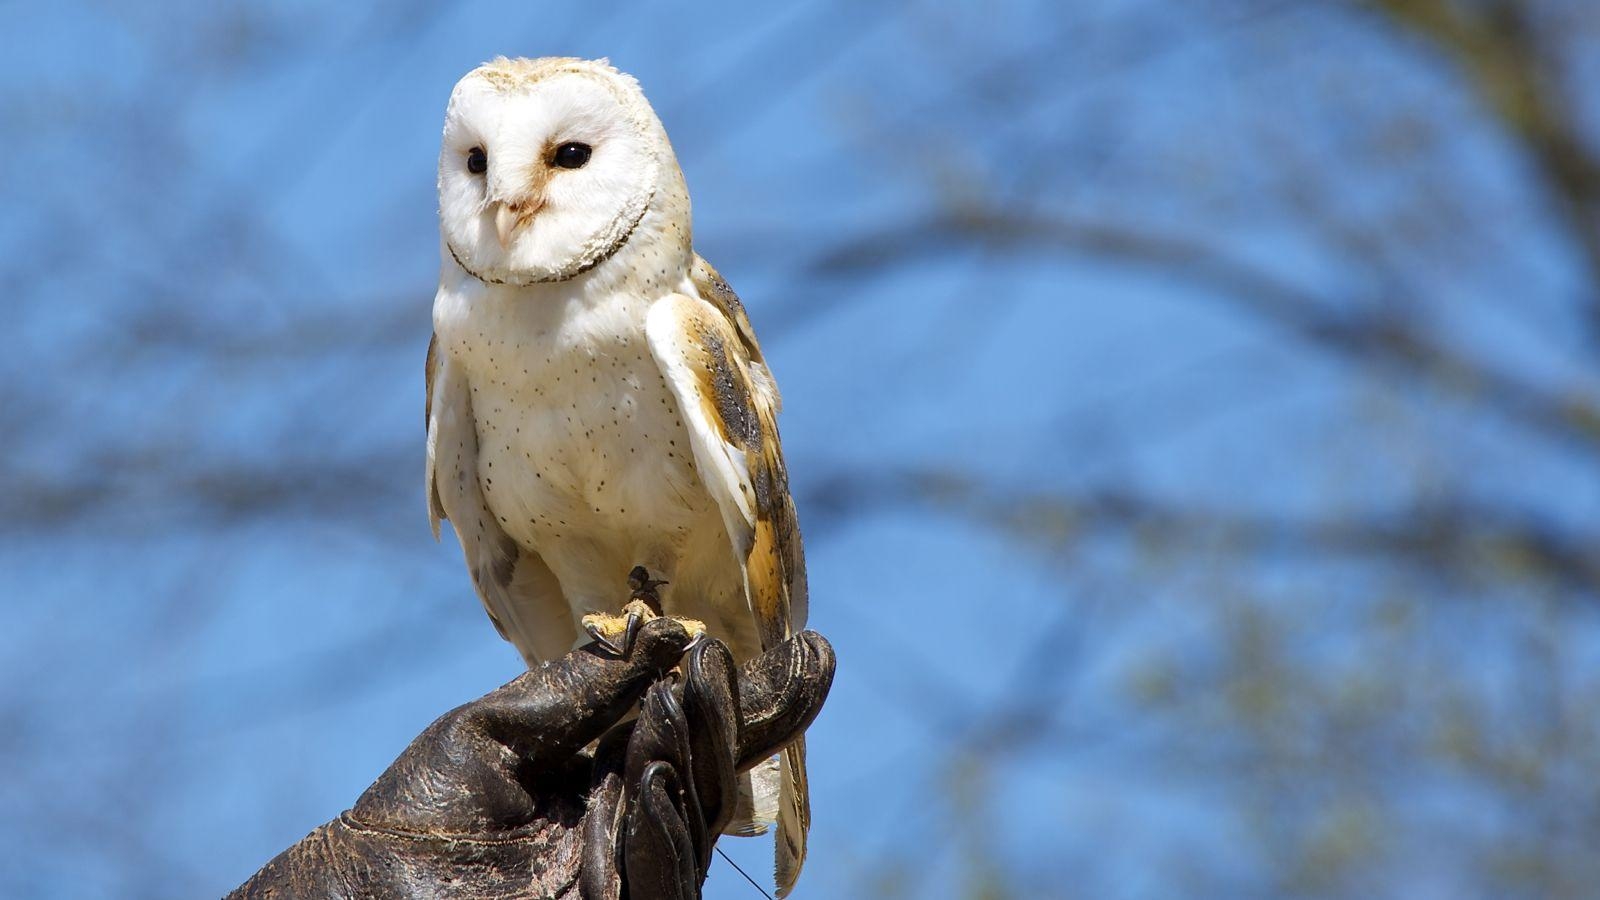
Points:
[[1193, 409]]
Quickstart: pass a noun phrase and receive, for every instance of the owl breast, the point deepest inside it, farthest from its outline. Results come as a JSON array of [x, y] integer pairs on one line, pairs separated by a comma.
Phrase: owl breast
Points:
[[583, 456]]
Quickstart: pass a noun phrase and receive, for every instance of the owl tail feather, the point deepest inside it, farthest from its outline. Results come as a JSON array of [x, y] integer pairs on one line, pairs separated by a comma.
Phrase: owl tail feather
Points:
[[757, 806], [774, 791], [794, 817]]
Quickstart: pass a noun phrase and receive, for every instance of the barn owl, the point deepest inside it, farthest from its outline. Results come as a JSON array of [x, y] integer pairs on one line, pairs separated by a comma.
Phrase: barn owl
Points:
[[602, 428]]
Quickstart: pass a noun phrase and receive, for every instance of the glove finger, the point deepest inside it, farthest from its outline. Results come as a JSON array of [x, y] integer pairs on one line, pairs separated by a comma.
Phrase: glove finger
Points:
[[550, 712], [662, 735], [710, 698], [599, 874], [658, 856], [780, 692]]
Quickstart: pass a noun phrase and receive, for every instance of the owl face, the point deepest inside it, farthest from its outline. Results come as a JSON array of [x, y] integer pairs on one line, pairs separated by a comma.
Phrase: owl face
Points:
[[545, 169]]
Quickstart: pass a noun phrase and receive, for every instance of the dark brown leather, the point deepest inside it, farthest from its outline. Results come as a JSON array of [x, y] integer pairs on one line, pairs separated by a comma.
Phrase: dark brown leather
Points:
[[499, 798]]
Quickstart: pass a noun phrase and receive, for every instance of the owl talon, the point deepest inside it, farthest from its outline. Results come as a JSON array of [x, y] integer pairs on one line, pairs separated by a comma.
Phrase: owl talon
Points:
[[604, 642], [616, 634], [630, 634]]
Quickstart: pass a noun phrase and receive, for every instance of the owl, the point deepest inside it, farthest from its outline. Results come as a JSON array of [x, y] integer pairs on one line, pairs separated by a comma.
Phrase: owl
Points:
[[602, 426]]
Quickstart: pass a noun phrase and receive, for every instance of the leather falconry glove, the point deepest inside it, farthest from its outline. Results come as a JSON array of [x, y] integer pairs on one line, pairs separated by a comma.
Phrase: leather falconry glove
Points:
[[501, 798]]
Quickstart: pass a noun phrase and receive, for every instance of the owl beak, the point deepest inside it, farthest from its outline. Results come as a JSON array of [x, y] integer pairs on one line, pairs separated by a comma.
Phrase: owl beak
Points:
[[510, 218]]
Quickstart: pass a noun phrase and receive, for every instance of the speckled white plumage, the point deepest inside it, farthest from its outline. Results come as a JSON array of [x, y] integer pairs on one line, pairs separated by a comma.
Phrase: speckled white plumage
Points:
[[573, 431], [582, 454]]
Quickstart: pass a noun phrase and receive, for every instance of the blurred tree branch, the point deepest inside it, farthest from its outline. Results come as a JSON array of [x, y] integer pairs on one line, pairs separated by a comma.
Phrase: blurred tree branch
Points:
[[1385, 337], [1448, 540], [1498, 45]]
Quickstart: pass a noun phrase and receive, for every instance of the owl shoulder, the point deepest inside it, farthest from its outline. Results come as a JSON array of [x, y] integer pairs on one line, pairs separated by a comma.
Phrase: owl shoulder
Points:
[[714, 289]]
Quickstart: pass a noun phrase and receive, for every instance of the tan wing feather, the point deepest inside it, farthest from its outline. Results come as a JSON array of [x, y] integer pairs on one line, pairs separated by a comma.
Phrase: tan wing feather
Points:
[[712, 287], [768, 402], [709, 359], [715, 289]]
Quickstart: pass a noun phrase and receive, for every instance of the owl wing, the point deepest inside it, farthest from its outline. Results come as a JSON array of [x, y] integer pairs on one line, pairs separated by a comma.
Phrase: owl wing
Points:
[[708, 355], [713, 287], [715, 290], [518, 590]]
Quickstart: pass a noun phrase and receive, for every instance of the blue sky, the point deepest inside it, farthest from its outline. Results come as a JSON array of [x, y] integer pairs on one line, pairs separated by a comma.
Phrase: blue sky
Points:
[[194, 689]]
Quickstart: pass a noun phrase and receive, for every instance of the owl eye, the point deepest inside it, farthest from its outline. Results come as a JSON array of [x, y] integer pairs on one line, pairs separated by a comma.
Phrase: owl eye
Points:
[[477, 161], [572, 155]]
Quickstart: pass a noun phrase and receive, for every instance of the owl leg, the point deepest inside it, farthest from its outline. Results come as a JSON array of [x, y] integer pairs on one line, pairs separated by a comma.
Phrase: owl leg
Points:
[[644, 591], [644, 588], [617, 633]]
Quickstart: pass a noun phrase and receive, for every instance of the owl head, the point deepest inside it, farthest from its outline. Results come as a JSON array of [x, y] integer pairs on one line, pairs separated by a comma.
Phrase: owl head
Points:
[[547, 168]]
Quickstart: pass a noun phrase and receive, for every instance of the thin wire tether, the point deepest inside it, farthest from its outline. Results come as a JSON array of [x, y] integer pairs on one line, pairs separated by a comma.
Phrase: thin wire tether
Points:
[[742, 872]]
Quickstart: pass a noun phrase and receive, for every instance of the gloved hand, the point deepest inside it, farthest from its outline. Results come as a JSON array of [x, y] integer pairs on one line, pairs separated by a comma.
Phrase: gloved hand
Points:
[[500, 798]]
